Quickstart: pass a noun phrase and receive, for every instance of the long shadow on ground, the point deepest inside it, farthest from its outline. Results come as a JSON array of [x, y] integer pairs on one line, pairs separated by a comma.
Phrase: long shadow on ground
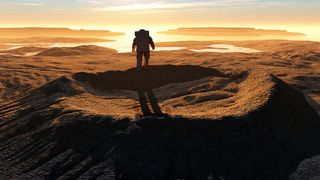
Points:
[[267, 143]]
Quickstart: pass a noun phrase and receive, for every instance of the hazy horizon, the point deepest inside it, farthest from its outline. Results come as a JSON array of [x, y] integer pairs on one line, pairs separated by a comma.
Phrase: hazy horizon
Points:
[[311, 32], [130, 15], [164, 14]]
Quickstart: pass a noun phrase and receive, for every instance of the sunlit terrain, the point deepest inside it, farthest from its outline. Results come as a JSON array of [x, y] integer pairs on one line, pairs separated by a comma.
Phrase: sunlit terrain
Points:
[[122, 43], [216, 90]]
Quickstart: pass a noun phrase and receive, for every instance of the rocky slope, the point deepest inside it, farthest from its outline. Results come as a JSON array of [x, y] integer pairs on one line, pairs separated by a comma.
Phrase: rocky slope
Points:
[[68, 128], [308, 169]]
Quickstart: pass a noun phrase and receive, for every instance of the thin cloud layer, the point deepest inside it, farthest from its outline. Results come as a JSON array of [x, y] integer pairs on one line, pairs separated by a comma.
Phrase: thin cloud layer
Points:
[[93, 12], [173, 5]]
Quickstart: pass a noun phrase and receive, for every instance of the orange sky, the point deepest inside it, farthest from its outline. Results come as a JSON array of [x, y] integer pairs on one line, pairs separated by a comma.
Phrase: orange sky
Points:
[[164, 14]]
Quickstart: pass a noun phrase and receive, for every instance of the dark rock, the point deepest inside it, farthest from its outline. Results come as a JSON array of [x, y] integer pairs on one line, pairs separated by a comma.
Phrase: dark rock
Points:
[[309, 169]]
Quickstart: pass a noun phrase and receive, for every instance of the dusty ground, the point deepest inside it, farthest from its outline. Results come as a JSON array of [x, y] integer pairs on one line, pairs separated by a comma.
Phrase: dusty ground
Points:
[[69, 113], [295, 62]]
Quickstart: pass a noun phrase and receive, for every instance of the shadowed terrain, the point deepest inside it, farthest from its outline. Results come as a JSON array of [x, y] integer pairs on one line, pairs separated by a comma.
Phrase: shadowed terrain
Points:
[[86, 114], [86, 127], [150, 78]]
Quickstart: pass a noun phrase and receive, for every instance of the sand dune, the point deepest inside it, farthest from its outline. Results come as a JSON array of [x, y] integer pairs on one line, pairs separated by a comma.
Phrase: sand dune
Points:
[[4, 46], [23, 51], [73, 51], [73, 131]]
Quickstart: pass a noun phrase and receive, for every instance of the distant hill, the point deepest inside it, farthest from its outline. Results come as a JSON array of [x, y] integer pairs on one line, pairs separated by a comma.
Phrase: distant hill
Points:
[[52, 40], [222, 31], [24, 50], [53, 32], [74, 51]]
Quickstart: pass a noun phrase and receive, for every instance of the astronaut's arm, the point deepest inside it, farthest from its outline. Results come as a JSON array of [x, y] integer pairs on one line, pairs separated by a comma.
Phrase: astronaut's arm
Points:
[[134, 45], [152, 43]]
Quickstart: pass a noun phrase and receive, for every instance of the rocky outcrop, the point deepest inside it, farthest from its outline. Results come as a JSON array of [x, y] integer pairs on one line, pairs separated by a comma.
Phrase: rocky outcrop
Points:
[[309, 169], [40, 139]]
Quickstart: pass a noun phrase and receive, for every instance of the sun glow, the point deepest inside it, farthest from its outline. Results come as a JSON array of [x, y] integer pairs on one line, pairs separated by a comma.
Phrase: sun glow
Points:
[[133, 7]]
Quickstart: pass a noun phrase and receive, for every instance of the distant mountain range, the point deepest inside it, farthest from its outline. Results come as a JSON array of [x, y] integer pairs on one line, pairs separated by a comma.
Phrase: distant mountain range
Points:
[[53, 32], [222, 31]]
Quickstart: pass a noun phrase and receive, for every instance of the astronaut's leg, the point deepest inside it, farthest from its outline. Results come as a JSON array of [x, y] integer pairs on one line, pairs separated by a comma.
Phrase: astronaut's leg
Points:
[[139, 60], [146, 58]]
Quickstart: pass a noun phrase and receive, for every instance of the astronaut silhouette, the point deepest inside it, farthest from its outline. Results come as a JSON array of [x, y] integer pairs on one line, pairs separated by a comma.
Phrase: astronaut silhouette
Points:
[[141, 44]]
